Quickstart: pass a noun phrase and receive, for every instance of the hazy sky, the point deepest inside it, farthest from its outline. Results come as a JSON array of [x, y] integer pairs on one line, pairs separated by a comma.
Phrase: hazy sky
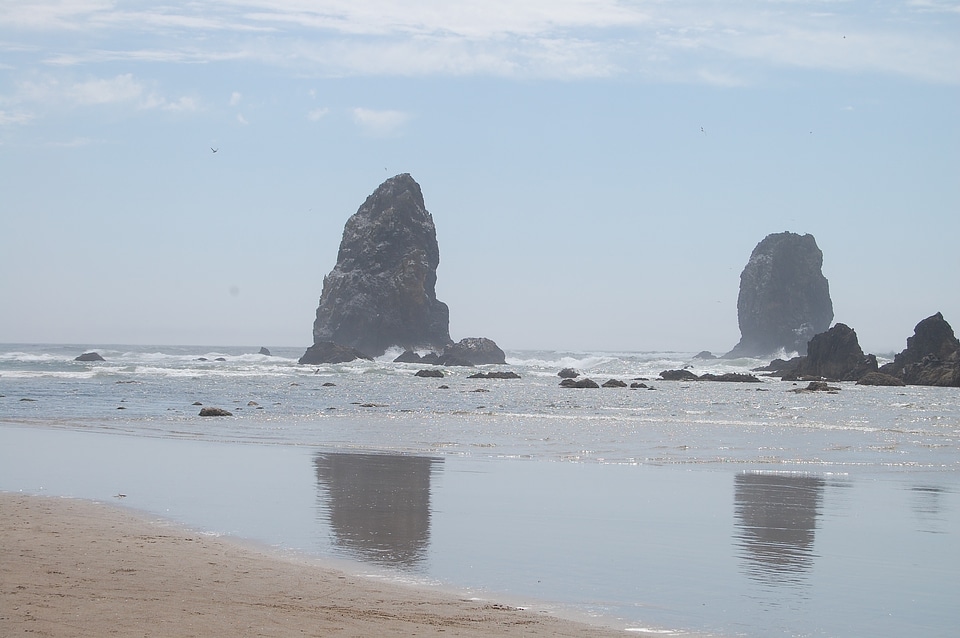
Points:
[[598, 170]]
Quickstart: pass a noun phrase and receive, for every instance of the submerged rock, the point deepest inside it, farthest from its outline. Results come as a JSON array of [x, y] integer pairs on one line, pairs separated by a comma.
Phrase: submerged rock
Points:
[[784, 298], [678, 375], [382, 291], [879, 378], [727, 377], [90, 356]]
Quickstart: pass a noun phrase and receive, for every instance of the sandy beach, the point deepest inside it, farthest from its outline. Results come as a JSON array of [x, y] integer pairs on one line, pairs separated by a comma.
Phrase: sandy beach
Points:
[[79, 568]]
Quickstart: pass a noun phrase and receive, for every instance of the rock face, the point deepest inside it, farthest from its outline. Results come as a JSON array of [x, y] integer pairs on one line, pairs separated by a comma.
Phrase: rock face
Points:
[[477, 351], [836, 354], [932, 356], [381, 293], [329, 352], [784, 298]]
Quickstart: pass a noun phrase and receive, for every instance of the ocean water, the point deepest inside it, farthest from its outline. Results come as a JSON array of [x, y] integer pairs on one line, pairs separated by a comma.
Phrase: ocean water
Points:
[[729, 509]]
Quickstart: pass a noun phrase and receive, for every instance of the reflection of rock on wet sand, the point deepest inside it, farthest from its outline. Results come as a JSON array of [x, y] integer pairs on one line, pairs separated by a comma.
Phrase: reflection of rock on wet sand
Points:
[[378, 505], [776, 521]]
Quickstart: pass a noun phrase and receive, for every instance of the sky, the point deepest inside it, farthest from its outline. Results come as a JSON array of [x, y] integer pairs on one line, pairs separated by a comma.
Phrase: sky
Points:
[[598, 170]]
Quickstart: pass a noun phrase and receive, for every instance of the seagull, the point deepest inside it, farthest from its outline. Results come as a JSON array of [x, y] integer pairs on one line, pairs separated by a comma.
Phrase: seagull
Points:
[[702, 131], [214, 149]]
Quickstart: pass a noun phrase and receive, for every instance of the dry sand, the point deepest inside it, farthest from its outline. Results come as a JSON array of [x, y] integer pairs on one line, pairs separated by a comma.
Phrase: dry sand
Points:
[[76, 568]]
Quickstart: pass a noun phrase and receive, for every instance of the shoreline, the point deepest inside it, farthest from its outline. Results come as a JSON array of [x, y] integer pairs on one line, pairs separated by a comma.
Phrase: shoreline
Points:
[[73, 567]]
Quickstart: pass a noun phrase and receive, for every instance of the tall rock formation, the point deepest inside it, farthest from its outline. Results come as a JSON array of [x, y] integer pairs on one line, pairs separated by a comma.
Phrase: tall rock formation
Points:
[[381, 293], [784, 298]]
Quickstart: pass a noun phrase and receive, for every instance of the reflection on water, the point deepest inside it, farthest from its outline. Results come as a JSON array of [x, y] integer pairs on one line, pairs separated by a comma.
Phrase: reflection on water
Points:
[[776, 517], [378, 505], [927, 504]]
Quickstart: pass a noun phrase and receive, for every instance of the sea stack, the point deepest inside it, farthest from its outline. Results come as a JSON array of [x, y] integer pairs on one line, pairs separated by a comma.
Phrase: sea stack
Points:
[[784, 298], [381, 293]]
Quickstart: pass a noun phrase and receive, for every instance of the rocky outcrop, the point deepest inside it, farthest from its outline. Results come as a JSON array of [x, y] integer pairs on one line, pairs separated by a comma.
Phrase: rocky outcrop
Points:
[[264, 351], [90, 356], [382, 291], [476, 351], [704, 354], [568, 373], [932, 356], [784, 298], [836, 354], [879, 378], [215, 412], [329, 352], [430, 373]]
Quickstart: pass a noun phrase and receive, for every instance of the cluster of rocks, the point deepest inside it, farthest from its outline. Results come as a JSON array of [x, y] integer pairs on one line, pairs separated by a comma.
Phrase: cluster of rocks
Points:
[[932, 357], [571, 379], [727, 377]]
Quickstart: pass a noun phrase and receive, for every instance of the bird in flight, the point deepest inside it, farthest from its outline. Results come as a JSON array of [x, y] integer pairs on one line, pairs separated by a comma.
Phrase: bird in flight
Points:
[[214, 149], [702, 131]]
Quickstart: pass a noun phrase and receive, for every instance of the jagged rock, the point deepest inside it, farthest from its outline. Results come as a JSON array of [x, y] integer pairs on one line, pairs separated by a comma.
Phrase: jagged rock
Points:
[[408, 356], [494, 375], [214, 412], [437, 374], [932, 356], [836, 354], [879, 378], [678, 375], [329, 352], [382, 291], [90, 356], [784, 298], [705, 354], [264, 351], [568, 373], [579, 383], [614, 383]]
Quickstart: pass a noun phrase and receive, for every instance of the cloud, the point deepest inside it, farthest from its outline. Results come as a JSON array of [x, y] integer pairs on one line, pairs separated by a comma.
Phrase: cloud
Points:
[[8, 118], [379, 123], [235, 98], [317, 114], [242, 120], [568, 39]]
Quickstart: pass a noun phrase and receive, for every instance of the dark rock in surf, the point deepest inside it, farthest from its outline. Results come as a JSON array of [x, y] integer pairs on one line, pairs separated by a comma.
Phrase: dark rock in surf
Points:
[[932, 356], [265, 352], [90, 356], [678, 375], [637, 385], [430, 373], [494, 375], [329, 352], [730, 377], [382, 291], [879, 378], [614, 383], [214, 412], [817, 386], [568, 373], [705, 354], [475, 351], [579, 383], [784, 298]]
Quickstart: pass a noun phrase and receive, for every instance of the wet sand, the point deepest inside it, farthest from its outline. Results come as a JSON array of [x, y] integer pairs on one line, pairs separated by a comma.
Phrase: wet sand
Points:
[[78, 568]]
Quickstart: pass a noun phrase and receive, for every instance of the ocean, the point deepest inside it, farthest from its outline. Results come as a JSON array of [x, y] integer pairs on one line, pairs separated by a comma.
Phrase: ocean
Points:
[[729, 509]]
